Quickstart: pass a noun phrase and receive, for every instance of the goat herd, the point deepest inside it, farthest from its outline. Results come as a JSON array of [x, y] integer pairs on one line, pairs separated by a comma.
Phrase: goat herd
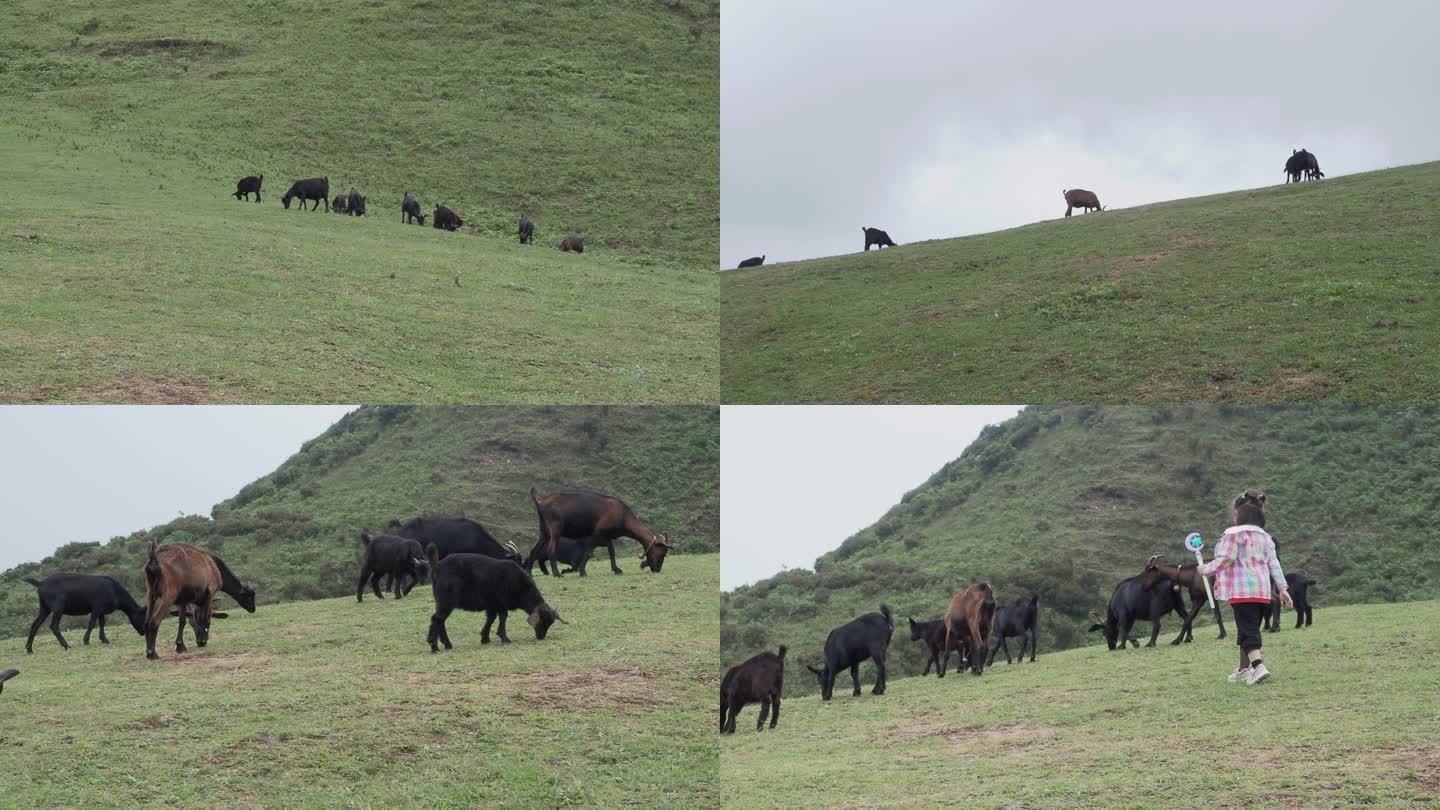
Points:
[[972, 626], [316, 190], [467, 567], [1301, 164]]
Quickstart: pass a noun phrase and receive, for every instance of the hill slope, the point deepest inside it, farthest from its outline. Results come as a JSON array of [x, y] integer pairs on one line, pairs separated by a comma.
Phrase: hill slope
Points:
[[1068, 501], [292, 534], [1289, 293], [1338, 725], [332, 703], [132, 274]]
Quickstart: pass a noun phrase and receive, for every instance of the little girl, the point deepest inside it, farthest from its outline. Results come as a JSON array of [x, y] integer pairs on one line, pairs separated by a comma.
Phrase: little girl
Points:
[[1244, 566]]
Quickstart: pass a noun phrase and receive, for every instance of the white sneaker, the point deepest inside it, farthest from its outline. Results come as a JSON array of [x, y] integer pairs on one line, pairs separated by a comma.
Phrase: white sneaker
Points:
[[1238, 675], [1257, 674]]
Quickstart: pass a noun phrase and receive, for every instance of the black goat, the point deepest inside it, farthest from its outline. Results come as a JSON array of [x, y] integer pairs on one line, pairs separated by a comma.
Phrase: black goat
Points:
[[455, 536], [398, 557], [851, 643], [410, 210], [355, 206], [933, 634], [446, 219], [476, 582], [316, 189], [1299, 585], [82, 595], [1020, 618], [527, 230], [249, 185], [753, 261], [758, 679], [574, 553], [7, 675], [876, 237], [1187, 576], [1130, 602]]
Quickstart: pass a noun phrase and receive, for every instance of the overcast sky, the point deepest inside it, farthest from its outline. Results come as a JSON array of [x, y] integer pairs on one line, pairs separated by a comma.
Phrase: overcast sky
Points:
[[847, 464], [943, 118], [88, 473]]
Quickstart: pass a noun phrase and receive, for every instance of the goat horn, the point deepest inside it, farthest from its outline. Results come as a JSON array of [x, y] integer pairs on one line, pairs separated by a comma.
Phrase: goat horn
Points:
[[512, 547]]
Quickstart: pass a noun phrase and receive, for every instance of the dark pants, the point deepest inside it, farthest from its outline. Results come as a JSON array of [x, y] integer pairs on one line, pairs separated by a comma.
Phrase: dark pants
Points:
[[1247, 627]]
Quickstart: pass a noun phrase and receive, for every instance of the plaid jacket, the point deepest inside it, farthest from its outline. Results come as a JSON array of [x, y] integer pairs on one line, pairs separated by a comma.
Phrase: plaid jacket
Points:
[[1244, 565]]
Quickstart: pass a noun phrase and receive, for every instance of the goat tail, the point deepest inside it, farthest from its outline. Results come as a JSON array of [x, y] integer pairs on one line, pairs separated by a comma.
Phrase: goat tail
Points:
[[31, 580], [782, 651], [364, 537], [885, 611]]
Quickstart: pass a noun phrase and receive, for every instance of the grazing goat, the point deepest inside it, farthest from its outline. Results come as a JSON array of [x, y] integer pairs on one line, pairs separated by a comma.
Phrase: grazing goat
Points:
[[454, 536], [476, 582], [1080, 198], [355, 206], [850, 644], [754, 261], [1186, 576], [1131, 602], [7, 675], [1302, 164], [247, 186], [972, 609], [410, 210], [574, 553], [1299, 585], [1020, 618], [933, 634], [397, 557], [316, 189], [758, 679], [182, 575], [337, 205], [599, 520], [446, 219], [527, 231], [82, 595], [572, 244], [876, 237]]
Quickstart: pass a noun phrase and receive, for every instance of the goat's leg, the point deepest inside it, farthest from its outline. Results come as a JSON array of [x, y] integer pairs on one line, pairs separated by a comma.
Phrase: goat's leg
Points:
[[55, 627], [1034, 641], [764, 713], [89, 627], [437, 631], [879, 671], [504, 639], [730, 721], [180, 632], [103, 639], [35, 628], [360, 585], [485, 631], [855, 677], [396, 580], [375, 585], [774, 709], [613, 567], [1154, 632], [1219, 619], [1185, 619]]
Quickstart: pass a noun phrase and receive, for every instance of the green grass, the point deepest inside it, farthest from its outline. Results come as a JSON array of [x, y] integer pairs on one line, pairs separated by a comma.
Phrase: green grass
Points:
[[1317, 291], [131, 275], [293, 534], [331, 703], [1348, 719]]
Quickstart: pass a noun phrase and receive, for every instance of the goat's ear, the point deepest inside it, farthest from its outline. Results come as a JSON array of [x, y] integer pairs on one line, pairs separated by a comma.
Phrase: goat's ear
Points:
[[1095, 627], [220, 615]]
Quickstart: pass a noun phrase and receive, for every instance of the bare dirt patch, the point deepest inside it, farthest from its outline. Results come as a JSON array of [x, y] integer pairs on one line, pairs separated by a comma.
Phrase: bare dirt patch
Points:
[[968, 737], [1419, 766], [625, 690], [157, 389], [179, 47], [1193, 240], [152, 723]]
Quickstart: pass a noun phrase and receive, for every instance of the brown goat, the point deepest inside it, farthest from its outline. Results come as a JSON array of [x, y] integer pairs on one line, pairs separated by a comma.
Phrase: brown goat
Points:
[[1080, 198], [572, 243], [598, 520], [972, 609], [182, 575]]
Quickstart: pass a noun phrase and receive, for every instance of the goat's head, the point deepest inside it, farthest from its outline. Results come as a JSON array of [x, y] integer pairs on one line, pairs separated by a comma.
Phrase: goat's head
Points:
[[246, 598], [137, 618], [1153, 573], [654, 555], [917, 630], [1106, 626], [285, 201], [513, 554], [542, 617], [824, 682]]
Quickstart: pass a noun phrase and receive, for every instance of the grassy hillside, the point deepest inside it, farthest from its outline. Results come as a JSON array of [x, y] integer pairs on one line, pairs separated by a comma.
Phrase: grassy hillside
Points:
[[1338, 725], [1316, 291], [132, 274], [331, 703], [1068, 501], [292, 534]]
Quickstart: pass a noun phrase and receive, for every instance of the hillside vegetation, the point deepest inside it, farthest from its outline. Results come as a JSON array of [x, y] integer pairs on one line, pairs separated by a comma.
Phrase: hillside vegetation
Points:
[[337, 704], [133, 275], [1338, 725], [1068, 501], [1315, 291], [293, 533]]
